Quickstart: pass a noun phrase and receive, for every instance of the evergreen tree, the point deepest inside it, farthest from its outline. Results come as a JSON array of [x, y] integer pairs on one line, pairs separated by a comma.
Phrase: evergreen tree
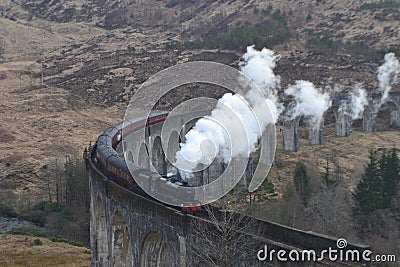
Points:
[[301, 180], [379, 183], [267, 192], [326, 177], [269, 189], [390, 169], [368, 193]]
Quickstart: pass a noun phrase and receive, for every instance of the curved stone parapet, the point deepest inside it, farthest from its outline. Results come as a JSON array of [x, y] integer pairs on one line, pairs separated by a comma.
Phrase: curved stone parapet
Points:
[[128, 228]]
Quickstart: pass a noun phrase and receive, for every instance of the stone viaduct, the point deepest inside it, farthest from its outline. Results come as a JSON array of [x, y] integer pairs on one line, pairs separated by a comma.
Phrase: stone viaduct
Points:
[[130, 229], [390, 111]]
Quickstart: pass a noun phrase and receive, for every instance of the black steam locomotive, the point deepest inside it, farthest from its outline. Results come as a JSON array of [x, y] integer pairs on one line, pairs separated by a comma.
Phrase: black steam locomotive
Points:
[[110, 162]]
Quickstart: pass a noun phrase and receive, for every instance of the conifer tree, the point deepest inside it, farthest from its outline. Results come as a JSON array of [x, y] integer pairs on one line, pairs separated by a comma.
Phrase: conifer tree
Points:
[[301, 180], [390, 169], [368, 193], [326, 176]]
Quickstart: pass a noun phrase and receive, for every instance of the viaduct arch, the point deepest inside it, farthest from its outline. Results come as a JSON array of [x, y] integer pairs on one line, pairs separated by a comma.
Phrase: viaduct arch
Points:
[[372, 118], [129, 229]]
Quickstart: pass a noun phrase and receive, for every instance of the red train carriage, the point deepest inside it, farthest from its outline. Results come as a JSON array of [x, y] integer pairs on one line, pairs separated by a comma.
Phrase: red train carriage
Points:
[[114, 165]]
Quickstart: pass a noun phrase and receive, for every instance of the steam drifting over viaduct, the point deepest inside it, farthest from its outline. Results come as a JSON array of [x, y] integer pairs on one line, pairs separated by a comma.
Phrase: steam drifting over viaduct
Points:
[[373, 112], [130, 229]]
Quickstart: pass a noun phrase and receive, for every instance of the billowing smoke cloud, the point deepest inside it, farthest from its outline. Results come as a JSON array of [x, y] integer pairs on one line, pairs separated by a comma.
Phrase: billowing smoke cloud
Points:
[[358, 101], [309, 102], [259, 66], [209, 138], [233, 114], [388, 74]]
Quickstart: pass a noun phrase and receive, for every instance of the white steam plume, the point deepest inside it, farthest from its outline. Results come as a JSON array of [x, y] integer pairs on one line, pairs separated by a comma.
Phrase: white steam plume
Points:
[[208, 139], [388, 74], [309, 102], [258, 66], [358, 101]]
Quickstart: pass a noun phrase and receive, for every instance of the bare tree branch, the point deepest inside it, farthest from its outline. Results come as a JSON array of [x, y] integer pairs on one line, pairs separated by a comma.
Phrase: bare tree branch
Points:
[[221, 238]]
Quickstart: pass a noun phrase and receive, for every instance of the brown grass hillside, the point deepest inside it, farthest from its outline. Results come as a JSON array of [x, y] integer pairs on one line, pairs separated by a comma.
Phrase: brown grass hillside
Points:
[[347, 156], [21, 251], [93, 55]]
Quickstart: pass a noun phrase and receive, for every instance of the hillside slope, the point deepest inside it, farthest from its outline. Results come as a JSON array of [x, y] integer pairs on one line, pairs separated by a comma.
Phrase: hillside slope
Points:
[[70, 67], [19, 251], [354, 21]]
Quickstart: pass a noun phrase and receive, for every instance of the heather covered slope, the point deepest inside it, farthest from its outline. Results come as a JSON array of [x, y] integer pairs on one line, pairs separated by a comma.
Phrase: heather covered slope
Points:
[[70, 67], [371, 22]]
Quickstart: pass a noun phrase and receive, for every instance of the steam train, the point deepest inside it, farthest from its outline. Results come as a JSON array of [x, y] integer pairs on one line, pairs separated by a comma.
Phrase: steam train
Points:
[[110, 162]]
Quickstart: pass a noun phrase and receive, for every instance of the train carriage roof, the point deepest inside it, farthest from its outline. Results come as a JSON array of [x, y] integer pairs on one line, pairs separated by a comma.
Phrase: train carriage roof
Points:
[[106, 152], [111, 132], [118, 161]]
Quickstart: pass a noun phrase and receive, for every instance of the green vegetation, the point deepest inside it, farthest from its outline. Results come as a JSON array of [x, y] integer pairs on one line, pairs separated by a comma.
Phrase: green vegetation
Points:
[[359, 49], [320, 43], [41, 212], [86, 151], [269, 9], [322, 200], [380, 53], [7, 211], [266, 34], [269, 188], [37, 242], [280, 17], [131, 49], [309, 31], [326, 177], [367, 195], [274, 31], [261, 35], [378, 184], [265, 192], [31, 231], [389, 165], [65, 214], [41, 232], [382, 4], [301, 181]]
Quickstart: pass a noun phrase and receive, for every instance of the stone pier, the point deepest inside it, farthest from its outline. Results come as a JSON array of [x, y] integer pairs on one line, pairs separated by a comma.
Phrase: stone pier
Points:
[[291, 135], [343, 123], [316, 135], [129, 229], [395, 119], [369, 121]]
